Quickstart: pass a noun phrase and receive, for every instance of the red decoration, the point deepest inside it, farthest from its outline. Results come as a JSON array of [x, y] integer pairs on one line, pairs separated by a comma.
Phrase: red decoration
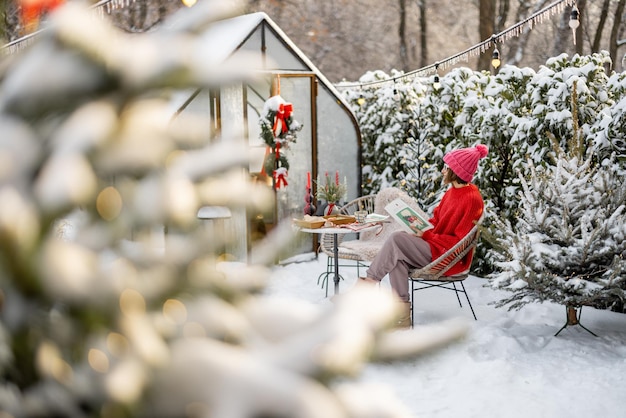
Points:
[[282, 116], [32, 11], [278, 130]]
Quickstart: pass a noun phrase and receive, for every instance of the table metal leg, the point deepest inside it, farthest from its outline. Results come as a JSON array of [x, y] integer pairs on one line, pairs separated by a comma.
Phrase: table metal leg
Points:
[[336, 255]]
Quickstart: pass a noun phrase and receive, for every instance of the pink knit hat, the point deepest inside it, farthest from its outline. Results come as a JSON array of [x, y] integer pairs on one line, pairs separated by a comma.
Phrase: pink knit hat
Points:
[[464, 161]]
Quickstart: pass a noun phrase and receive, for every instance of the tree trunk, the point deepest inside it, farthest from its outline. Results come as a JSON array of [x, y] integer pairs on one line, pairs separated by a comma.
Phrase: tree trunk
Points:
[[519, 45], [423, 34], [404, 57], [486, 29], [12, 25], [613, 44], [572, 316], [595, 46], [503, 14], [563, 34]]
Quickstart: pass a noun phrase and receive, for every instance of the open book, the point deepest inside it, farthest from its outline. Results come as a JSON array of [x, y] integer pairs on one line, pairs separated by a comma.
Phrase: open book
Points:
[[412, 220]]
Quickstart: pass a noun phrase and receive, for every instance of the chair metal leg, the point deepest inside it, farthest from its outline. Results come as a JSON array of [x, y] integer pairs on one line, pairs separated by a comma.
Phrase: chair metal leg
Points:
[[412, 300], [468, 301], [444, 285], [456, 291]]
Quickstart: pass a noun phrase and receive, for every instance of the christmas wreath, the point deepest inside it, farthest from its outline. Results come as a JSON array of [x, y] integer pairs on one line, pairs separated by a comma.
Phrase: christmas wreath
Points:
[[278, 131]]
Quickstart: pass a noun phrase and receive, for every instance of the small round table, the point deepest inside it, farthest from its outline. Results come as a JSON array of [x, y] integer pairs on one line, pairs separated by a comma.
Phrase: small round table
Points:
[[336, 231]]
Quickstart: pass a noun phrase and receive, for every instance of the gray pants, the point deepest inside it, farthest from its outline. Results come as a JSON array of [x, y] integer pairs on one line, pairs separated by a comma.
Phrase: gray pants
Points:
[[400, 253]]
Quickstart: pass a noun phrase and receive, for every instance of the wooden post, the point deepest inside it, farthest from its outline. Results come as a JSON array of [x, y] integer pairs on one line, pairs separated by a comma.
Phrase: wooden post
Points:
[[275, 89]]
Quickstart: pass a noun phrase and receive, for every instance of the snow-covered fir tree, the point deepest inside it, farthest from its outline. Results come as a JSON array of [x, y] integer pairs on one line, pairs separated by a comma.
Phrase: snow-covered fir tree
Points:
[[568, 244]]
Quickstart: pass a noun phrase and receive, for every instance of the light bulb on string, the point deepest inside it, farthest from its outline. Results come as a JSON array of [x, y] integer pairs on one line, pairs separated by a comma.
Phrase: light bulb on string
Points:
[[189, 3], [436, 84], [396, 95], [361, 100], [574, 21], [495, 58]]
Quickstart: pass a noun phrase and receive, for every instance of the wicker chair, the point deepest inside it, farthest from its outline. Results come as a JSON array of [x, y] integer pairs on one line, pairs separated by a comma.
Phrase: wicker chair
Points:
[[432, 275], [326, 240]]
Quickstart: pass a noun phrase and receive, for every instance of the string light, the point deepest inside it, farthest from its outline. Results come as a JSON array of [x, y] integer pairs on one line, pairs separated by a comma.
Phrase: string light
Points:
[[574, 21], [514, 31], [396, 95], [495, 58], [436, 84], [189, 3]]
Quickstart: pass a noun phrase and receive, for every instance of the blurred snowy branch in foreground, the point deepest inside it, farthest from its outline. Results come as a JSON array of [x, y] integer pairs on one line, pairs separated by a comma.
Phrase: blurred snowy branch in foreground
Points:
[[114, 301]]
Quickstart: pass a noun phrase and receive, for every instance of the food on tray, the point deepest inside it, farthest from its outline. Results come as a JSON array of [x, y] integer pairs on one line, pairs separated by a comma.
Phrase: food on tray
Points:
[[375, 217], [340, 219], [312, 222]]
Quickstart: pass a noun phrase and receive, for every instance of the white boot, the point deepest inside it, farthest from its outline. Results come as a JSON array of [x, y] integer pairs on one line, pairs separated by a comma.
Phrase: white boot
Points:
[[404, 318]]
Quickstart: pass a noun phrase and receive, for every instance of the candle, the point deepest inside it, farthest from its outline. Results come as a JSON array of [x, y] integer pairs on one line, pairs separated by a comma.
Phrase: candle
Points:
[[337, 177], [308, 180]]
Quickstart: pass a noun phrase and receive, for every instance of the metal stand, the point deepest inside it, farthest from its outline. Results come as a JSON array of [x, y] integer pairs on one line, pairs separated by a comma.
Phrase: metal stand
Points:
[[322, 280], [335, 272], [572, 317]]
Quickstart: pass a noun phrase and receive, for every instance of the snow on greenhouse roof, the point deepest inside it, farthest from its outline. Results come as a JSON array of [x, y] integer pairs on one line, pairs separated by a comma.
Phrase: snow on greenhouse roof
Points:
[[223, 38]]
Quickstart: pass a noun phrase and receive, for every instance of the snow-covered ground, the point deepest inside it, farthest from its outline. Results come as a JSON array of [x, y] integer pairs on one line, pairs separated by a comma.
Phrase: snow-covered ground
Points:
[[510, 364]]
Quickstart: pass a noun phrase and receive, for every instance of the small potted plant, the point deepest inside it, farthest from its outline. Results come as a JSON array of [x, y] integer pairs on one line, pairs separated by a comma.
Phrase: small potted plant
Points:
[[331, 191]]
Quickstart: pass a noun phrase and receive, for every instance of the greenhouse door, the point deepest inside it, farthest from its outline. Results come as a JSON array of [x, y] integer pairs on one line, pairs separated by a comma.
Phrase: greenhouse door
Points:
[[299, 90]]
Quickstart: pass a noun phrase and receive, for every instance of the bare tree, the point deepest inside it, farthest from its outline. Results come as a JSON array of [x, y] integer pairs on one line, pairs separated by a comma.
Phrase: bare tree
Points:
[[423, 30], [404, 58], [141, 16], [10, 20], [503, 13], [562, 35], [346, 38], [595, 46], [486, 28], [525, 9], [617, 23]]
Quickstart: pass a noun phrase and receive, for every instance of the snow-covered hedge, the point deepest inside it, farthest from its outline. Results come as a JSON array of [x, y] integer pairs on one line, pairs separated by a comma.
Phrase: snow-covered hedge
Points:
[[524, 116]]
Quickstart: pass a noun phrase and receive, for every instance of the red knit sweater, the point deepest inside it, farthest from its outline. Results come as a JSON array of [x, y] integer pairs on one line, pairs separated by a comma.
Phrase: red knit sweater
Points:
[[453, 218]]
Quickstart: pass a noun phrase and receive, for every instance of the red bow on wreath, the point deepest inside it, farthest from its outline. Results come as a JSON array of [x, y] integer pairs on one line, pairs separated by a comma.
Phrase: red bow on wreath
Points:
[[282, 115]]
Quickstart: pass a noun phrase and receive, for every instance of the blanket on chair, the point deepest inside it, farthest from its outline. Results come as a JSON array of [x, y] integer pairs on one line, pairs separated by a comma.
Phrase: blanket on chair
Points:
[[370, 242]]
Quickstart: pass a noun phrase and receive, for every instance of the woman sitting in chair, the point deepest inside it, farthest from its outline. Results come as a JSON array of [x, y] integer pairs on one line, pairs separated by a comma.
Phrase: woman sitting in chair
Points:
[[457, 213]]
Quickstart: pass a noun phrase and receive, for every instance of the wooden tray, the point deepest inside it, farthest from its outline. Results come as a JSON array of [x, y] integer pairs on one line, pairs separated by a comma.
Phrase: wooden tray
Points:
[[340, 219]]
